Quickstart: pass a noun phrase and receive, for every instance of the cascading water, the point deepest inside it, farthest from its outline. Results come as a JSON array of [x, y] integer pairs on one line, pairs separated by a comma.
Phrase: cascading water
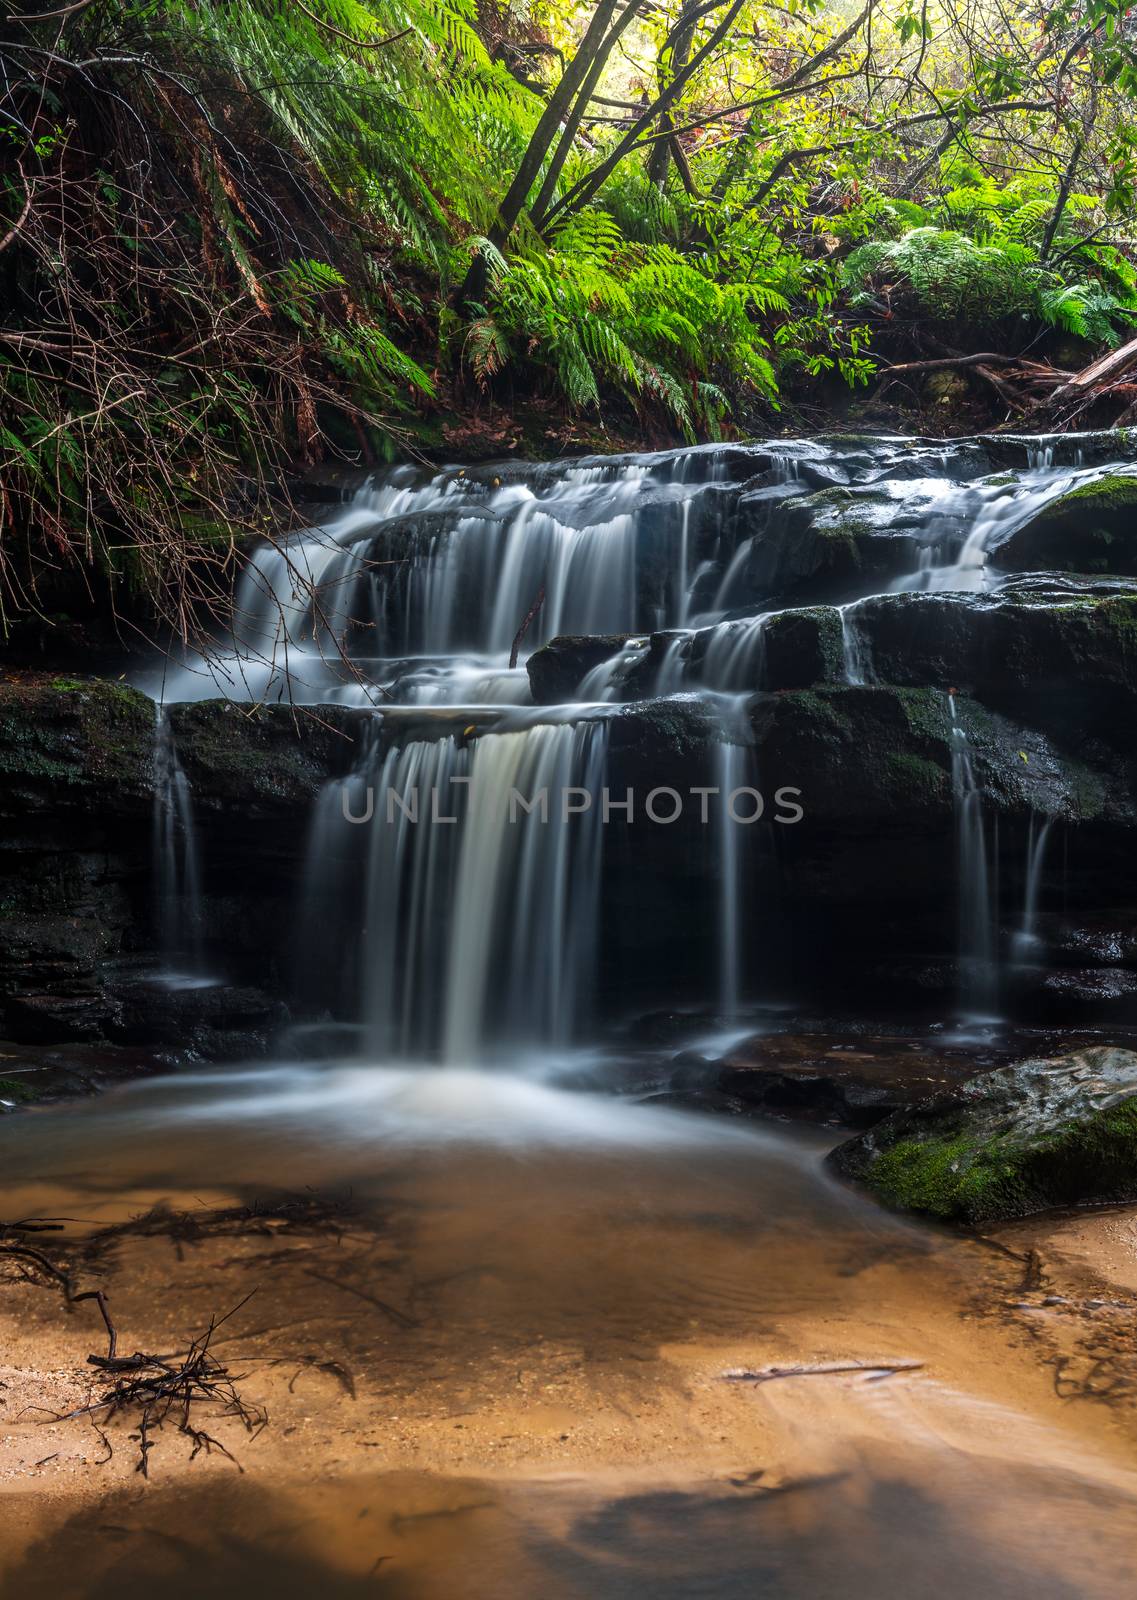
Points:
[[605, 681], [177, 873], [977, 932], [854, 651], [410, 598], [1026, 944], [480, 861], [527, 895], [731, 776], [735, 655], [991, 513]]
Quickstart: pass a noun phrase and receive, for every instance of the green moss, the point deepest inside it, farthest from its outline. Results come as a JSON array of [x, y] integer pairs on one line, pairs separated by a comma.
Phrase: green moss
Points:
[[963, 1178], [10, 1089], [1114, 492], [926, 712], [944, 1178], [916, 776], [79, 734], [823, 709]]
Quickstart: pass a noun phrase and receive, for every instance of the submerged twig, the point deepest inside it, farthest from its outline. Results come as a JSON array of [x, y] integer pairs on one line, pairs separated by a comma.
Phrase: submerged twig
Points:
[[874, 1371]]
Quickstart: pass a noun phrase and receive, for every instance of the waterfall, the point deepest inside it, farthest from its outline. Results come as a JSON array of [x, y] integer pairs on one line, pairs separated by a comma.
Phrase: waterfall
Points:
[[854, 648], [450, 927], [480, 867], [731, 775], [994, 511], [682, 596], [734, 571], [604, 682], [409, 877], [177, 874], [1025, 945], [670, 677], [977, 946], [525, 916], [735, 656]]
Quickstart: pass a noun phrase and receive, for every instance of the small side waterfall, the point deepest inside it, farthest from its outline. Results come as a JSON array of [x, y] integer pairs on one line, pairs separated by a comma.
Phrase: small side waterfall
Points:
[[177, 872], [731, 775], [603, 683], [977, 936], [1025, 944], [854, 649], [682, 581], [735, 657]]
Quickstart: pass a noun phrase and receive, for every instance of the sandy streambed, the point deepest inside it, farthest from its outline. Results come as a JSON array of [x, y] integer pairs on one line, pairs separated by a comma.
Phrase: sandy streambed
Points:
[[502, 1366]]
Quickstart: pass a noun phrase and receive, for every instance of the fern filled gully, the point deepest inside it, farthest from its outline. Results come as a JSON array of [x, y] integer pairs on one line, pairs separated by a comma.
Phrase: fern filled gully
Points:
[[545, 869]]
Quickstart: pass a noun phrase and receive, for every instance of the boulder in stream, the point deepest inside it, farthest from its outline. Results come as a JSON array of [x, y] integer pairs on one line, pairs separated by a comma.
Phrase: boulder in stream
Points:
[[1024, 1138], [558, 668], [1092, 528]]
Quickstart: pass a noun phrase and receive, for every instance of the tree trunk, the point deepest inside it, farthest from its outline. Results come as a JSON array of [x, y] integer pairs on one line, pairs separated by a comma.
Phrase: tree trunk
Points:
[[576, 115], [589, 186], [681, 41]]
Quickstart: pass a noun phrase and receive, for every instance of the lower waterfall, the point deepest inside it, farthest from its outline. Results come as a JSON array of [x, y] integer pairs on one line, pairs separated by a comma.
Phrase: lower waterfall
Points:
[[480, 867]]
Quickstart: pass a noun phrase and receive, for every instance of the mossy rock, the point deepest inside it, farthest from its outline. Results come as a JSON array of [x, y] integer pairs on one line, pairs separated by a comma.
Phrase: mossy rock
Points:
[[68, 742], [1022, 1139], [803, 647], [818, 547], [1058, 653], [1091, 529], [255, 761], [13, 1093], [873, 753]]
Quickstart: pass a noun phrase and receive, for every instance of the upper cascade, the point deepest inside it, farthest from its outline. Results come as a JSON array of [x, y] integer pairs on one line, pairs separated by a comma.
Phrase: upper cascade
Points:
[[419, 587]]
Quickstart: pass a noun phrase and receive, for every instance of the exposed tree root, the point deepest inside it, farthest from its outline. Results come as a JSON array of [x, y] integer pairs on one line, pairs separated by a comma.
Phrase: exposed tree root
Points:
[[157, 1391]]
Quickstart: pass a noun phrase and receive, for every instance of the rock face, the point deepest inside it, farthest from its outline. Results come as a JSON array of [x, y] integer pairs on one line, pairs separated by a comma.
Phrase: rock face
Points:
[[73, 745], [79, 946], [1021, 1139], [1066, 646]]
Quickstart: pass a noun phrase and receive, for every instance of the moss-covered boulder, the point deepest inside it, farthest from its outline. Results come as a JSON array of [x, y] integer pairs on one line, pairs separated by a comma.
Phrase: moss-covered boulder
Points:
[[823, 546], [1021, 1139], [250, 761], [803, 647], [1092, 528], [71, 744], [872, 757]]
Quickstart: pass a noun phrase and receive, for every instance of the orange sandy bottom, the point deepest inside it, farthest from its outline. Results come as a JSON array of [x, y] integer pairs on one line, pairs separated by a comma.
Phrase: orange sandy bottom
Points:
[[505, 1376]]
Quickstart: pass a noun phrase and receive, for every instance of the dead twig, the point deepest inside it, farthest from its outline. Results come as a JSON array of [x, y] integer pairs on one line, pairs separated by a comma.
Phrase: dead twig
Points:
[[158, 1389], [874, 1371], [524, 628], [160, 1392]]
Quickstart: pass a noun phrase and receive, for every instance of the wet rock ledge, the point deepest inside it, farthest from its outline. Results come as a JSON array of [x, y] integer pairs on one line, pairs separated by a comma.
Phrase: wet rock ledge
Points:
[[855, 905]]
